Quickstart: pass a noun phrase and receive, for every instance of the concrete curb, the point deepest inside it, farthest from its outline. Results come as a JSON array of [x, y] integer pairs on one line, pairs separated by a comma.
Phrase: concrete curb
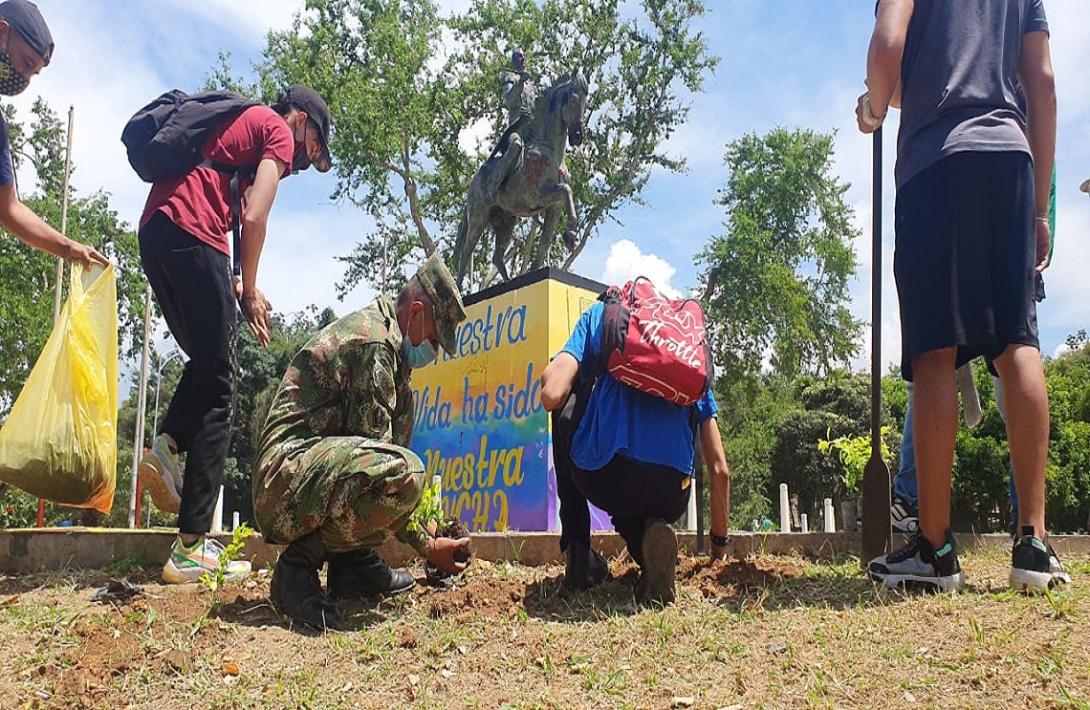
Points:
[[25, 551]]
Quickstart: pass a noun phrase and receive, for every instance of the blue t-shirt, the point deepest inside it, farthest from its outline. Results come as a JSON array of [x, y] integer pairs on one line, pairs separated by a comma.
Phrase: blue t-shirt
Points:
[[622, 420], [6, 175]]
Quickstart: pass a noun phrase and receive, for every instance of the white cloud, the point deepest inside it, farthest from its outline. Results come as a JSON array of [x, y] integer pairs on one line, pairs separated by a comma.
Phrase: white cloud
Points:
[[476, 137], [626, 261], [1061, 350]]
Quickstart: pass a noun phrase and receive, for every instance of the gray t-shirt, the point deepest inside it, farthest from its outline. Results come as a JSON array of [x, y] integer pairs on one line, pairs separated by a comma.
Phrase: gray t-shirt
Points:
[[959, 80]]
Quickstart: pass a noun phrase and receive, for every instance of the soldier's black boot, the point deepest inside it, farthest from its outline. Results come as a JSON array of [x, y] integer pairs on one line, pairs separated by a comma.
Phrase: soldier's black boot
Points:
[[296, 590], [584, 567], [362, 573]]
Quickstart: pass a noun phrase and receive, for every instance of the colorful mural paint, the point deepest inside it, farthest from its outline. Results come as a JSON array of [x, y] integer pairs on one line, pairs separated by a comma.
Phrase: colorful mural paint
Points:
[[480, 425]]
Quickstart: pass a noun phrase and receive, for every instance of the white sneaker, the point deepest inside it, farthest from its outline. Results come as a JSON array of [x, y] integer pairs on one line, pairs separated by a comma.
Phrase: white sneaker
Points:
[[189, 564], [161, 475]]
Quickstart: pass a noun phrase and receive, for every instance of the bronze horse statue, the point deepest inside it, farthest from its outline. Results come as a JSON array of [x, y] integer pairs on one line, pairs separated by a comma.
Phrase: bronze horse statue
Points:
[[527, 179]]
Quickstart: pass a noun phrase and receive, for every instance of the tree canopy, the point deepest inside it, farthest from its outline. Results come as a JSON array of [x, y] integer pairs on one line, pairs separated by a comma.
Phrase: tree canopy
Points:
[[407, 87]]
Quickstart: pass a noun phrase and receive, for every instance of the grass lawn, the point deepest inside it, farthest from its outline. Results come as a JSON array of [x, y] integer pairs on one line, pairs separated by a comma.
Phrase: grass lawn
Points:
[[762, 632]]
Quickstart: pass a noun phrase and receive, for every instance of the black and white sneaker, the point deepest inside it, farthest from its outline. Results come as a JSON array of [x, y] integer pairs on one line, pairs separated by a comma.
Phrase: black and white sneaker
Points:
[[919, 562], [1035, 566], [905, 516]]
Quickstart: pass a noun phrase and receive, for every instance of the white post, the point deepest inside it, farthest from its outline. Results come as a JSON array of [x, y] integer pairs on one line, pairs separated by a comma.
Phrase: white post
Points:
[[217, 516], [141, 407], [234, 521], [830, 520], [804, 524], [785, 510], [690, 514]]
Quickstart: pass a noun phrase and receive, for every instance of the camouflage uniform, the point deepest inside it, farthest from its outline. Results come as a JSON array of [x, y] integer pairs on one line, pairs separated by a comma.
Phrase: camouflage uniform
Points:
[[333, 453]]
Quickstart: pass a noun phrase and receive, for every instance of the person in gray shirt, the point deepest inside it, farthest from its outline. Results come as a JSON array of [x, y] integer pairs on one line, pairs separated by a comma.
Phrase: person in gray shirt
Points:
[[972, 233]]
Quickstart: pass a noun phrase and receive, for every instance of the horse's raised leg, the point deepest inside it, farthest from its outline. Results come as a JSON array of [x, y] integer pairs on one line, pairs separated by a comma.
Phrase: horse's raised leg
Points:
[[569, 236], [548, 226], [557, 195], [503, 226]]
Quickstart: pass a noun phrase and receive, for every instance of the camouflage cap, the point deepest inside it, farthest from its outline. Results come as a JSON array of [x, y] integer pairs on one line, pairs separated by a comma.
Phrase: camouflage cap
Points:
[[446, 302]]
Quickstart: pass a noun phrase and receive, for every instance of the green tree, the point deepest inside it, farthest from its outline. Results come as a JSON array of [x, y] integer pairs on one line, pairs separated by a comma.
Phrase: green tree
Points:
[[403, 82], [776, 283], [829, 408]]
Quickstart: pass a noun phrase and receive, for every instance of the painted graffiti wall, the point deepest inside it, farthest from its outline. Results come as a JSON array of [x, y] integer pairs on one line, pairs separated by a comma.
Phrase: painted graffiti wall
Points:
[[480, 424]]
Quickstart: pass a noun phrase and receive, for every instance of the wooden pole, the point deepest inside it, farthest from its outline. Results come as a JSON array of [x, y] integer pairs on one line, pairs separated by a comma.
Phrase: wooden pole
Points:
[[58, 283], [877, 533], [141, 407]]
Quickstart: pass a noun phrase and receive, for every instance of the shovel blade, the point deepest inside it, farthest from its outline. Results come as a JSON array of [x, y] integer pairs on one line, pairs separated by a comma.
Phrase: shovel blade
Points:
[[877, 529]]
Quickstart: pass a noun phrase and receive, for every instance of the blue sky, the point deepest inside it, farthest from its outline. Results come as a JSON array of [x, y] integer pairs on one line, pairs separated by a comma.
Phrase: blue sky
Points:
[[783, 62]]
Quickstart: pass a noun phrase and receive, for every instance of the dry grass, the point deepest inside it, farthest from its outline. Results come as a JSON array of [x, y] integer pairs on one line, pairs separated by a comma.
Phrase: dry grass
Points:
[[767, 632]]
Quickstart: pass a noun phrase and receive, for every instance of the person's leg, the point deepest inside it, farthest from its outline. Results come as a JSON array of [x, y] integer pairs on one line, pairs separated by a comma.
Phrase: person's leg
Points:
[[160, 239], [208, 309], [630, 528], [642, 499], [330, 502], [160, 471], [574, 513], [1001, 405], [1027, 419], [935, 433], [904, 483]]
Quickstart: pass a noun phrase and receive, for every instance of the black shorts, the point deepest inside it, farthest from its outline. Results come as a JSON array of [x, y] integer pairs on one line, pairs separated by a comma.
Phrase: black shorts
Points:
[[965, 256]]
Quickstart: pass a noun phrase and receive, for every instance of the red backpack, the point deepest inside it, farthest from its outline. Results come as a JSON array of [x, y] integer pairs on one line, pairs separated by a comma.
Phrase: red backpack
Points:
[[656, 344]]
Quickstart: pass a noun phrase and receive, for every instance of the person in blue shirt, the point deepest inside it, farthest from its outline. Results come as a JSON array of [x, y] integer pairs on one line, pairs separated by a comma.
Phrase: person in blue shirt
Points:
[[26, 46], [631, 454]]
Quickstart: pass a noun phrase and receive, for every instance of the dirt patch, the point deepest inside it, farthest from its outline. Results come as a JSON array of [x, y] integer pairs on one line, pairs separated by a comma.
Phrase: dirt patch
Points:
[[479, 597], [722, 578]]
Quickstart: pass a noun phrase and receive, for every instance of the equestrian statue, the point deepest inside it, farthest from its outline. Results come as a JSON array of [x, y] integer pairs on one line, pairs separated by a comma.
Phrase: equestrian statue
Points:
[[524, 175]]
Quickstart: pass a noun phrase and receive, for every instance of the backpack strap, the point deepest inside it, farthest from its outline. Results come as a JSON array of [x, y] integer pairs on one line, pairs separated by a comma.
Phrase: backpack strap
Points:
[[237, 173]]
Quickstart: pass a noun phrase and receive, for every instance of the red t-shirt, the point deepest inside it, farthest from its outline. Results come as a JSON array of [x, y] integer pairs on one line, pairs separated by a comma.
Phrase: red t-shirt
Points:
[[200, 201]]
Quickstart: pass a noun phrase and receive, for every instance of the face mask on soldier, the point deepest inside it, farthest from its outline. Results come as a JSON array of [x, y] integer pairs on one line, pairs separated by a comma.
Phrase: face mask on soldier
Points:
[[418, 355]]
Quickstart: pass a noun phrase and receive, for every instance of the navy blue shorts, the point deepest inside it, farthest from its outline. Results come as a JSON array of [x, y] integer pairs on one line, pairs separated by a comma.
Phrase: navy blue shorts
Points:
[[966, 249]]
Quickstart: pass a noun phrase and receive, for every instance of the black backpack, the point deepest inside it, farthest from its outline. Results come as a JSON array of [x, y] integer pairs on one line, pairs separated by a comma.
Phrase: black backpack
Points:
[[165, 138]]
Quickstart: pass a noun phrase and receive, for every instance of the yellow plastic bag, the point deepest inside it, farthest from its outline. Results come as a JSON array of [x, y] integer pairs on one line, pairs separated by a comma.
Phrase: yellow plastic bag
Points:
[[60, 440]]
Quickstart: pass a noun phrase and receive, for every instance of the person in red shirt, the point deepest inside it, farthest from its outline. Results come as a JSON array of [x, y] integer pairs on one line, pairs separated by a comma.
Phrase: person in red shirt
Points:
[[186, 256]]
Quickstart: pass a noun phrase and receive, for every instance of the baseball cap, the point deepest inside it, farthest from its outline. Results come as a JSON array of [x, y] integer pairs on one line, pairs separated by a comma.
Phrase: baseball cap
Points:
[[25, 18], [308, 100]]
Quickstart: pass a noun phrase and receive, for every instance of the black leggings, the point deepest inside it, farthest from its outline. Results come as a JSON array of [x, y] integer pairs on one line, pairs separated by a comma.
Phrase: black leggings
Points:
[[632, 492], [192, 284]]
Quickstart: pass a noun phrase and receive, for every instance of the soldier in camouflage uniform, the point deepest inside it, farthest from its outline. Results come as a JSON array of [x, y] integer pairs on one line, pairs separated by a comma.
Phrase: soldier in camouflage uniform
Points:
[[333, 476]]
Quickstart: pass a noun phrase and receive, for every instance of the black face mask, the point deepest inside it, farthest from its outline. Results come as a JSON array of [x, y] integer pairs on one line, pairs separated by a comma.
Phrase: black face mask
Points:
[[11, 81], [300, 159]]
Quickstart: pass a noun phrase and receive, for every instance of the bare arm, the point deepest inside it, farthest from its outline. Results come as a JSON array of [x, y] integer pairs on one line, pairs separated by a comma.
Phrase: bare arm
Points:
[[711, 447], [1039, 83], [557, 380], [255, 222], [31, 229], [887, 48]]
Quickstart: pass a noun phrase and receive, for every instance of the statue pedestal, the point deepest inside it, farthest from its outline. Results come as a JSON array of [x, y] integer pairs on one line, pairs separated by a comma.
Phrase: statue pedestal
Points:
[[479, 423]]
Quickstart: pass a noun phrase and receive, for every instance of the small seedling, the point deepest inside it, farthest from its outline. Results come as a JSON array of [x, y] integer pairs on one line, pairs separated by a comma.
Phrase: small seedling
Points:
[[214, 582]]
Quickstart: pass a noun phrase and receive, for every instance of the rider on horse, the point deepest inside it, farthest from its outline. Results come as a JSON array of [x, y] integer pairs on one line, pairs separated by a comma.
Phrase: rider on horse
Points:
[[519, 95]]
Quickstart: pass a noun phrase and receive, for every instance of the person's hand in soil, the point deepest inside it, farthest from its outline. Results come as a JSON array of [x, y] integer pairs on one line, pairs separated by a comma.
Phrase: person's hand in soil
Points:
[[445, 553]]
